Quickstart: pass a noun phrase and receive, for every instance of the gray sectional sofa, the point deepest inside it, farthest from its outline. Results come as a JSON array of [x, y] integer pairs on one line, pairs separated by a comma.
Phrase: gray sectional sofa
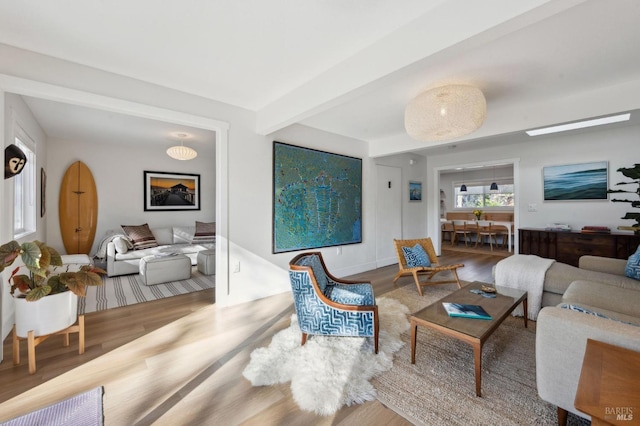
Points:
[[170, 239], [595, 301]]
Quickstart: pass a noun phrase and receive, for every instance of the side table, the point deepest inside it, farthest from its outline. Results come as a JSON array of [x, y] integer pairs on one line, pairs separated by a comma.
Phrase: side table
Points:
[[609, 386]]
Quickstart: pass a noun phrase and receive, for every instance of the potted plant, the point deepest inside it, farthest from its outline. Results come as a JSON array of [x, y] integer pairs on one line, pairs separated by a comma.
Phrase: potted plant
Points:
[[477, 213], [47, 282]]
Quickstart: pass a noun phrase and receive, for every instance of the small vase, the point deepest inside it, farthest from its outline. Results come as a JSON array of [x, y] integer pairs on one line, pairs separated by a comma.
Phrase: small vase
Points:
[[47, 315]]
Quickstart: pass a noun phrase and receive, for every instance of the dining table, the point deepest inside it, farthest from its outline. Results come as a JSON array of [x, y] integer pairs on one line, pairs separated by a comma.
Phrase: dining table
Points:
[[505, 224]]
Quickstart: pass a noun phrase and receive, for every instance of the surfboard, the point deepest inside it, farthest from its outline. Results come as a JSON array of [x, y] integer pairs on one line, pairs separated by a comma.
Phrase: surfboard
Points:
[[78, 209]]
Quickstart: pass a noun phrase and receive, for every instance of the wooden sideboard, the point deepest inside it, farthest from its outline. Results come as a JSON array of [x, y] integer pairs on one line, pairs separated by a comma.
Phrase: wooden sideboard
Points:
[[567, 247]]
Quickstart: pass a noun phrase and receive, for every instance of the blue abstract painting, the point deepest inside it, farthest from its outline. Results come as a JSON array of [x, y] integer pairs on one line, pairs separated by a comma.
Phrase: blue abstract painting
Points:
[[317, 198], [585, 181]]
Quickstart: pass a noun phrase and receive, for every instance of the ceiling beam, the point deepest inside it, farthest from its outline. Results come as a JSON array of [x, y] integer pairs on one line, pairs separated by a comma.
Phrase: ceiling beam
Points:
[[456, 24]]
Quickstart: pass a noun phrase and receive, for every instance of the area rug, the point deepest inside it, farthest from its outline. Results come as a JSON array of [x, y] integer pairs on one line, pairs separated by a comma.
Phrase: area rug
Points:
[[127, 290], [329, 372], [80, 410], [440, 387]]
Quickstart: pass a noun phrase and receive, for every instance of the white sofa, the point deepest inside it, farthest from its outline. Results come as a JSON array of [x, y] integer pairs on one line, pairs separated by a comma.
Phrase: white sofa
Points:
[[175, 239], [604, 306]]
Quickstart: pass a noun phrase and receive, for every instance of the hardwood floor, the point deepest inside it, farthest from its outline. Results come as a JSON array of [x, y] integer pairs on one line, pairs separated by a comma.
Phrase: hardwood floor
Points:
[[180, 360]]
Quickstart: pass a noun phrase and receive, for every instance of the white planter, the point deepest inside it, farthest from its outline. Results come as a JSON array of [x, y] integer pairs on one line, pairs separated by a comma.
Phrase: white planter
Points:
[[47, 315]]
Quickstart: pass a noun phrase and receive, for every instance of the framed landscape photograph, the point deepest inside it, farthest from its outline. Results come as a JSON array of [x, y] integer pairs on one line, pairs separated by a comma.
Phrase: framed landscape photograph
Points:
[[584, 181], [317, 198], [165, 191], [415, 191]]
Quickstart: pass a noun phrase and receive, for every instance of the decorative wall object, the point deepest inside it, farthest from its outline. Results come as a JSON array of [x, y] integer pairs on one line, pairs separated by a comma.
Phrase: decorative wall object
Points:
[[165, 191], [632, 173], [585, 181], [43, 192], [317, 198], [14, 161], [415, 191]]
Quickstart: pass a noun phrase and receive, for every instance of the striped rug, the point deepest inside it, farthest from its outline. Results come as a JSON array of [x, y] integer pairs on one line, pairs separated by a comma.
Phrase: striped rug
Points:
[[128, 290]]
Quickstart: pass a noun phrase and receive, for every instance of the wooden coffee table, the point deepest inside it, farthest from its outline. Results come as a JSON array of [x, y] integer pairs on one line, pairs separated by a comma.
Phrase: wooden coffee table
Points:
[[608, 389], [472, 331]]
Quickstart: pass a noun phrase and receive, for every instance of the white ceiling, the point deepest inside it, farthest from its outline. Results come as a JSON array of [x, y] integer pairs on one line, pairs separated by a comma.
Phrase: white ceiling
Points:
[[350, 67]]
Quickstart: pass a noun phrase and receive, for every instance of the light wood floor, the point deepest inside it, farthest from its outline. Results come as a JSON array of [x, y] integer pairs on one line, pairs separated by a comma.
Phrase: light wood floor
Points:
[[179, 361]]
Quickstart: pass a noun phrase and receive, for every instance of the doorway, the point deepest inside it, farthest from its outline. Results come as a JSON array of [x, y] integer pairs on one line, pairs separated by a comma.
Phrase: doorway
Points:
[[388, 213]]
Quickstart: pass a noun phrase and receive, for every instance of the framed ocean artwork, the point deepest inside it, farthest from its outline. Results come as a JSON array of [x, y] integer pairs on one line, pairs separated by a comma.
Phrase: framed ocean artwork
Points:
[[317, 198], [584, 181]]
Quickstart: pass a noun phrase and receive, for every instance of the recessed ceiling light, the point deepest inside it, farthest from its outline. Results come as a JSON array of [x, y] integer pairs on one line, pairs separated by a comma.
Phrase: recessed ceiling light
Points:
[[579, 125]]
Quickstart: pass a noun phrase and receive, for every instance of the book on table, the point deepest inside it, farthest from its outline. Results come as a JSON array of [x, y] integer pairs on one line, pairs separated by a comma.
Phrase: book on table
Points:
[[466, 311]]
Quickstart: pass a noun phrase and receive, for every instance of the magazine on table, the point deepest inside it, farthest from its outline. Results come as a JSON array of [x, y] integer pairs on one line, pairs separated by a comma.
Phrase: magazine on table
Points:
[[466, 311]]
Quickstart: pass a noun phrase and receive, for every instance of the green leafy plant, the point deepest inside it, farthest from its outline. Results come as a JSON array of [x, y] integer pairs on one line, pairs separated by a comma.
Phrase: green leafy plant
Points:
[[634, 174], [41, 281]]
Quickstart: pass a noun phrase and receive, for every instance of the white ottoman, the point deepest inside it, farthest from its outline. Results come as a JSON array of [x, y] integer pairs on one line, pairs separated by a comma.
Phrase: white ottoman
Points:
[[207, 262], [164, 269]]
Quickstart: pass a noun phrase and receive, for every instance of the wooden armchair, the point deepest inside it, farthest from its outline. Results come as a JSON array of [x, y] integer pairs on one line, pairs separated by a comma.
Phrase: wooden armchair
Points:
[[430, 270]]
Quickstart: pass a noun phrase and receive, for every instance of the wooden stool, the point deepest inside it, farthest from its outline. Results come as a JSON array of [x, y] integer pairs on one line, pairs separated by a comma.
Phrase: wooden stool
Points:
[[33, 341]]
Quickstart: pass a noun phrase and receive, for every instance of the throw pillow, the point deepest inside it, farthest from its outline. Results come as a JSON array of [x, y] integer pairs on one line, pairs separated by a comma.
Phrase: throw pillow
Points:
[[632, 270], [205, 233], [416, 256], [140, 235], [121, 245]]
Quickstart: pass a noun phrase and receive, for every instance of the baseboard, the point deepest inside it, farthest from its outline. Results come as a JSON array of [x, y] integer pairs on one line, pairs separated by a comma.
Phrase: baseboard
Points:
[[354, 269]]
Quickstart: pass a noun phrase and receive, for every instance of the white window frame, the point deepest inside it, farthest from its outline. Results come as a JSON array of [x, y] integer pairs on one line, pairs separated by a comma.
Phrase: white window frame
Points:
[[483, 183], [25, 186]]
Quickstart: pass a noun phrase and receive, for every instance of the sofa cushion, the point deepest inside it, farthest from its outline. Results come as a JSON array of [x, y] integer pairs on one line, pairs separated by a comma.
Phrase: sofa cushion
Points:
[[205, 232], [416, 256], [351, 294], [612, 298], [140, 235], [560, 275], [183, 234], [632, 270], [163, 235]]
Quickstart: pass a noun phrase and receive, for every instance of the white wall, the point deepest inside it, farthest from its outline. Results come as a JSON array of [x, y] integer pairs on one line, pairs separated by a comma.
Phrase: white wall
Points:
[[414, 214], [617, 145], [15, 108], [117, 169]]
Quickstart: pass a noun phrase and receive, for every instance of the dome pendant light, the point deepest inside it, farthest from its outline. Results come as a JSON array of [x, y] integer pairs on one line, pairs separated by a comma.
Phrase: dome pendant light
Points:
[[445, 112], [181, 152]]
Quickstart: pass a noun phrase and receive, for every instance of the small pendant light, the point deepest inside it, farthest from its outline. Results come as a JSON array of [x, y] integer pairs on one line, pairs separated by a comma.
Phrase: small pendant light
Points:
[[494, 186], [463, 187]]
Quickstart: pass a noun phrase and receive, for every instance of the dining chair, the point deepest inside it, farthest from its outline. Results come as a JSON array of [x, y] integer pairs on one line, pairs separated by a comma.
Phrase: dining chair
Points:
[[486, 230], [461, 228]]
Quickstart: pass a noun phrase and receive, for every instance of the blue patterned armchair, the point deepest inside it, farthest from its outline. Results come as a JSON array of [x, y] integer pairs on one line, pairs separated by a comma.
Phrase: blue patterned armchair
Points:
[[329, 306]]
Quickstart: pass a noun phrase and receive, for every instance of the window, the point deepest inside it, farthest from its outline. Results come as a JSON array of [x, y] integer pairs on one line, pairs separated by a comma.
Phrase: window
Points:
[[24, 192], [479, 195]]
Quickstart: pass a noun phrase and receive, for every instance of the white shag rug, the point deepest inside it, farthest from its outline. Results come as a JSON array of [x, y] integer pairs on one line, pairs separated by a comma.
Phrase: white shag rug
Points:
[[329, 372]]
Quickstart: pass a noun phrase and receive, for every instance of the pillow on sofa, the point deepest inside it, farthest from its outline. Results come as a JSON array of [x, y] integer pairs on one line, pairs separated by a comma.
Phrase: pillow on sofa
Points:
[[140, 235], [205, 233], [584, 310], [416, 256], [122, 244], [632, 270]]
